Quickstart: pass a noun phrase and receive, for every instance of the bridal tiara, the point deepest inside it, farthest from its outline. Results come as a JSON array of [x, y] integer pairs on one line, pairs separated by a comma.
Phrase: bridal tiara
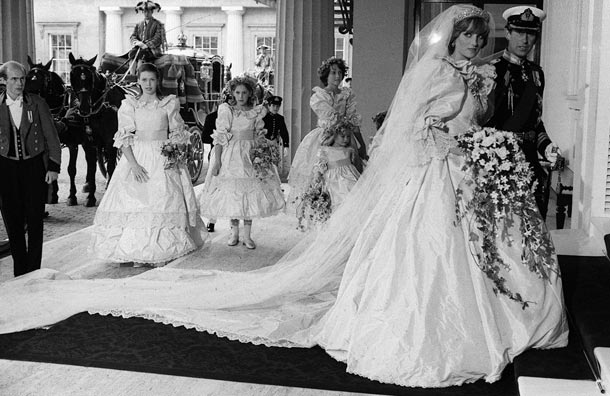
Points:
[[472, 12]]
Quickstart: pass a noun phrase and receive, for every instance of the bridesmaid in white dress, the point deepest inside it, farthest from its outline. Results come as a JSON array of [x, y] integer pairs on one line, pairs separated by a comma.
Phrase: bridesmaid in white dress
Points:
[[232, 188], [330, 104], [336, 160], [391, 286], [149, 214]]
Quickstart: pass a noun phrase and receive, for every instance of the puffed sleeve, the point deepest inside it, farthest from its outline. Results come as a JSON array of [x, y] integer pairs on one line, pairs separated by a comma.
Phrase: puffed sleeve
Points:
[[445, 99], [321, 104], [125, 135], [177, 132], [350, 109], [222, 133]]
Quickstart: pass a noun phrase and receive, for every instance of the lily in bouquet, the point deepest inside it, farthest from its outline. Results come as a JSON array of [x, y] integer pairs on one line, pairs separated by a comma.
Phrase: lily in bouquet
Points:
[[501, 191]]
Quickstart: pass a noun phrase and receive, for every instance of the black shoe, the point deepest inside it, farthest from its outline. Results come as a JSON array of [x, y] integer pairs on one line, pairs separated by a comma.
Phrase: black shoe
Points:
[[210, 227]]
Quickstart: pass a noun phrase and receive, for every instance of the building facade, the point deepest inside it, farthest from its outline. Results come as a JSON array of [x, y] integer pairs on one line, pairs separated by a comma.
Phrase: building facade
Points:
[[230, 28]]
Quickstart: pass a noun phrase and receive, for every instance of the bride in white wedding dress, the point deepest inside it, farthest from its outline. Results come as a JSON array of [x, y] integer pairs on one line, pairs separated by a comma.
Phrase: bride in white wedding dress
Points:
[[390, 285]]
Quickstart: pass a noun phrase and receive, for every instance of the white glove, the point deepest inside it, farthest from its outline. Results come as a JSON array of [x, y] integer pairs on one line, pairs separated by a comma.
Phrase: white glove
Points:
[[552, 152]]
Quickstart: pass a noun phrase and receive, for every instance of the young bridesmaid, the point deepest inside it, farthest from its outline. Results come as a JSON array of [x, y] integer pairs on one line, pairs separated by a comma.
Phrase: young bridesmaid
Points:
[[233, 190], [149, 214], [336, 159], [330, 104]]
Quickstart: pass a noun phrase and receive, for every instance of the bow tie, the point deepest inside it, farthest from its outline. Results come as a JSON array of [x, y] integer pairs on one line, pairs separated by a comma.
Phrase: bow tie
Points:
[[10, 102]]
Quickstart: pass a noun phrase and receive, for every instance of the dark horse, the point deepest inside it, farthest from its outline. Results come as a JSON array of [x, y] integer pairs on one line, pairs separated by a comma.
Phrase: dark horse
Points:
[[49, 86], [93, 120]]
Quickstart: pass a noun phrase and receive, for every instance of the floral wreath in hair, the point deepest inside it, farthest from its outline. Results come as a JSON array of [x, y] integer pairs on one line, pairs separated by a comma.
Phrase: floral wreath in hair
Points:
[[243, 79], [344, 124], [327, 64]]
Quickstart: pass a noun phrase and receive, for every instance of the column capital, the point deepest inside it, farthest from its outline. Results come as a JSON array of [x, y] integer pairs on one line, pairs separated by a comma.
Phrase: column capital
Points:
[[173, 10], [112, 10], [234, 10]]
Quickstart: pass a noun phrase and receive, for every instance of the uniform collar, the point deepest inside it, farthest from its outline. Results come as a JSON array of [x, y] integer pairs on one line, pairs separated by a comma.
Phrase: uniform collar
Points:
[[512, 58]]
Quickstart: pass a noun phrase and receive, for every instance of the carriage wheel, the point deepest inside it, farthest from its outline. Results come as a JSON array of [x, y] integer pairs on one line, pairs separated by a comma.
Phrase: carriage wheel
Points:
[[195, 162]]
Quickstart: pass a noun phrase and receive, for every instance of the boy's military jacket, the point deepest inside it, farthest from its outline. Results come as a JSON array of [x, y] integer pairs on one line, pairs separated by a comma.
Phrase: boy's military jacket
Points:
[[517, 101]]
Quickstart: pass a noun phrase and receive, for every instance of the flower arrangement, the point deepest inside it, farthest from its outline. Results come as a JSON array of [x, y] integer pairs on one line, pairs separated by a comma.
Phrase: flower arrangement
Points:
[[502, 186], [175, 154], [314, 204], [265, 156], [343, 124]]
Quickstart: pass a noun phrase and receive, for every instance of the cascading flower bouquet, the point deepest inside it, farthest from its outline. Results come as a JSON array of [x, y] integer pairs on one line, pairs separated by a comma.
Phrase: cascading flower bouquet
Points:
[[314, 204], [265, 157], [501, 190]]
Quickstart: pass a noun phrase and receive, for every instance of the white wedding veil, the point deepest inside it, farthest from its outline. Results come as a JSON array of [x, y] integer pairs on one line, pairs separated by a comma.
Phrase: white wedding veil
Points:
[[282, 303]]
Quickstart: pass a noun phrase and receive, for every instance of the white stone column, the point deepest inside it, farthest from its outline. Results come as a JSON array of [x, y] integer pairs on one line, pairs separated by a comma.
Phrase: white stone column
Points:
[[235, 38], [17, 31], [173, 22], [114, 29], [305, 37]]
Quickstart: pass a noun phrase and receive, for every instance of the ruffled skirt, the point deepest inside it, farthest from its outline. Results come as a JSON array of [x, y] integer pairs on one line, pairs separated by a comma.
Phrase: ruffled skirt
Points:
[[237, 193], [151, 222]]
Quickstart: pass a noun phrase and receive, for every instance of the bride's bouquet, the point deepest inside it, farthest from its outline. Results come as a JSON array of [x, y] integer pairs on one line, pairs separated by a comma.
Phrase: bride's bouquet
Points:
[[265, 156], [314, 204], [501, 190], [175, 154]]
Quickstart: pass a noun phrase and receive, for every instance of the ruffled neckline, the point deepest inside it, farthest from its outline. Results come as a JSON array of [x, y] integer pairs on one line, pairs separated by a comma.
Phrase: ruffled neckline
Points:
[[139, 104], [254, 112], [344, 93]]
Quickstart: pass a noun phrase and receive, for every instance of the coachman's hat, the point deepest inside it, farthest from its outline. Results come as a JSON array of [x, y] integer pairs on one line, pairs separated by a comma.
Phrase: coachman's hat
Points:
[[275, 100], [524, 17], [262, 46], [147, 5]]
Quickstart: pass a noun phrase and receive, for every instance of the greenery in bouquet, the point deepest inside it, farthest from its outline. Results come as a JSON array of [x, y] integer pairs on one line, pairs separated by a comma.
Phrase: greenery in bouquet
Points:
[[265, 156], [314, 204], [175, 154], [501, 190]]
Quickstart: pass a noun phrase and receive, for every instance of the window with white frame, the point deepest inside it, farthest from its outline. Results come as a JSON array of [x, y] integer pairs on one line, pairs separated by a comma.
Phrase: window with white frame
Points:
[[207, 43], [60, 45], [269, 41]]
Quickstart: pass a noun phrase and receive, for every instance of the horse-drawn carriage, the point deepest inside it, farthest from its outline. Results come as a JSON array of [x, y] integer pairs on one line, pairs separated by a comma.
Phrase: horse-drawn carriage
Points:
[[85, 107]]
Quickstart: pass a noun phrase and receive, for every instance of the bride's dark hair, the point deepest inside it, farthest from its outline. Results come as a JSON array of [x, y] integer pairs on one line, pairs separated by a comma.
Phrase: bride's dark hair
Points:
[[476, 25], [149, 67]]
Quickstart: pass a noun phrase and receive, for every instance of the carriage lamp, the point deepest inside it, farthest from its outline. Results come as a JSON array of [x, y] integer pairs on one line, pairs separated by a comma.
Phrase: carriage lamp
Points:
[[206, 70]]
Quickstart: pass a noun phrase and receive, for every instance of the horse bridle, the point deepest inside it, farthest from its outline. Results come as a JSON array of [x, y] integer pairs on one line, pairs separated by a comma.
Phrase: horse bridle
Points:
[[93, 107]]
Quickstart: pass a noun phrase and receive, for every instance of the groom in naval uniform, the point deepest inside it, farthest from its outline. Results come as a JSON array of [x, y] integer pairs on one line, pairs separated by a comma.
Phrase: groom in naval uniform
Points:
[[518, 93], [30, 156]]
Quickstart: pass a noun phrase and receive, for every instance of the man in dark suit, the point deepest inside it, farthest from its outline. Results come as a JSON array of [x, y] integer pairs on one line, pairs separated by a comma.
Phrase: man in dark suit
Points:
[[30, 157], [518, 93], [148, 37]]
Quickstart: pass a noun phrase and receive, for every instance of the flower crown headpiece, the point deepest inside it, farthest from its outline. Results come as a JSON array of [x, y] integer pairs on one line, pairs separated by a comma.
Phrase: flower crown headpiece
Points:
[[342, 125], [327, 63], [470, 12], [243, 79]]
